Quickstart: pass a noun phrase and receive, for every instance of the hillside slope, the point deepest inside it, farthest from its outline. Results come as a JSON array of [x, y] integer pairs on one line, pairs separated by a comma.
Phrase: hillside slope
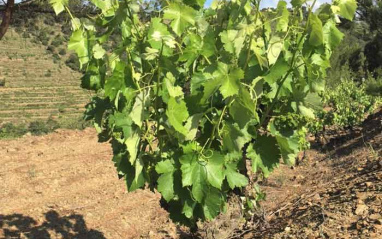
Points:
[[336, 191], [33, 87]]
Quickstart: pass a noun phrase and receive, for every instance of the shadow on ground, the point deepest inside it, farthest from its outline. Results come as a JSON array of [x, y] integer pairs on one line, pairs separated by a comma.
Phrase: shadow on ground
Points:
[[54, 226]]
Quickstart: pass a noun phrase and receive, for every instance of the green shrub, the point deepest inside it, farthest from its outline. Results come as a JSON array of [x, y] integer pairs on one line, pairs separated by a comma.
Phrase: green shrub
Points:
[[34, 41], [62, 52], [52, 124], [49, 20], [374, 86], [48, 73], [19, 29], [56, 57], [35, 28], [58, 41], [41, 127], [43, 35], [73, 62], [75, 123], [9, 130], [346, 106], [50, 48], [26, 35], [65, 29], [38, 128]]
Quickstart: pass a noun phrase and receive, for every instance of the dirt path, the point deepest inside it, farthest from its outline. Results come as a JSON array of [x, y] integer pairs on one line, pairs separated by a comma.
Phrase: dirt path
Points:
[[64, 185]]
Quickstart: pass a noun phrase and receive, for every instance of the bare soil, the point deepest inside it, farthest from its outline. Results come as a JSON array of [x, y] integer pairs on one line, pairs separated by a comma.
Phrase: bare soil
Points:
[[64, 185], [335, 191]]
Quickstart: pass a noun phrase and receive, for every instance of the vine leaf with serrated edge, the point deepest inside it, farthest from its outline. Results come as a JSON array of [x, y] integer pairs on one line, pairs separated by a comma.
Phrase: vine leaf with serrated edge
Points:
[[181, 17]]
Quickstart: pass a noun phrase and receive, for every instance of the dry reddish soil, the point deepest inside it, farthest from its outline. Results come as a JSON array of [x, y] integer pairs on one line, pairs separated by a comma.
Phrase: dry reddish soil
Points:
[[64, 185], [335, 192]]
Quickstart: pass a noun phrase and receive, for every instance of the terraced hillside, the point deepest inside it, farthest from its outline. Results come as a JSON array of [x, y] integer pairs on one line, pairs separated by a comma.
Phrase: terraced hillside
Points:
[[33, 87]]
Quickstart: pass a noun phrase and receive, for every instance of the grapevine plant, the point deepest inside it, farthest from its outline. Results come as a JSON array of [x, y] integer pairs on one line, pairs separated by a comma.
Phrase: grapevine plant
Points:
[[346, 106], [189, 96]]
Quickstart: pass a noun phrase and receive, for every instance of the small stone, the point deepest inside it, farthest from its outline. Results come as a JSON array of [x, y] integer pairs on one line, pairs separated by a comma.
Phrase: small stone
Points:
[[287, 229], [375, 216], [316, 197], [11, 150], [361, 195], [359, 169], [378, 227], [151, 234], [358, 226], [369, 184], [13, 228], [361, 209]]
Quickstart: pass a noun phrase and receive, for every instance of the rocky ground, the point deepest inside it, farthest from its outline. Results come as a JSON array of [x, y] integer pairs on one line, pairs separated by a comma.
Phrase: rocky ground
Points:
[[335, 192]]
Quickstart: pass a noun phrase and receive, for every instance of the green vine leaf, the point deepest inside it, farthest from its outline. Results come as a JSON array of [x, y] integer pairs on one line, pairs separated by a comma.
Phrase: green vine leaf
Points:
[[233, 138], [138, 113], [79, 43], [194, 174], [213, 204], [132, 146], [347, 8], [288, 142], [275, 48], [283, 12], [229, 79], [98, 51], [234, 178], [233, 41], [134, 176], [122, 122], [173, 91], [166, 180], [332, 36], [192, 125], [316, 32], [215, 170], [265, 154], [181, 15], [177, 114], [158, 34], [59, 5]]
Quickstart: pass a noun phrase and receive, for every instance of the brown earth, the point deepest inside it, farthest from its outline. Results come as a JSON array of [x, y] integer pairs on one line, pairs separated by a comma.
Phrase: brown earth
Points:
[[63, 185], [335, 192]]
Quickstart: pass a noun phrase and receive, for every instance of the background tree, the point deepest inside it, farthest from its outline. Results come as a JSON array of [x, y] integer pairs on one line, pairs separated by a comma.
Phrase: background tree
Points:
[[6, 11]]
